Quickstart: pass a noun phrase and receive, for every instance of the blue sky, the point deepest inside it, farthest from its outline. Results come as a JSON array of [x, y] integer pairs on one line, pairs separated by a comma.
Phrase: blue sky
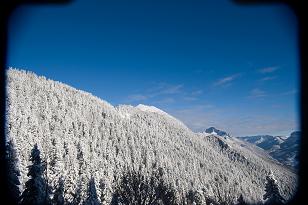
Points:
[[208, 63]]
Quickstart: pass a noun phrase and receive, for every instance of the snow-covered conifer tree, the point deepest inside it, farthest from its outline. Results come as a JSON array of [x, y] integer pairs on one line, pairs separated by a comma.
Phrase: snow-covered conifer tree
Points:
[[58, 197], [102, 186], [272, 195], [115, 199], [92, 198], [35, 188], [77, 195], [13, 172], [194, 197], [55, 164], [79, 134], [136, 188], [241, 201]]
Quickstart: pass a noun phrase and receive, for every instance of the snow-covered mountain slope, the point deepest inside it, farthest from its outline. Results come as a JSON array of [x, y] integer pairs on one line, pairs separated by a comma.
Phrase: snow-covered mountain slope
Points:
[[153, 109], [246, 147], [266, 142], [86, 137], [288, 153], [283, 149], [147, 108]]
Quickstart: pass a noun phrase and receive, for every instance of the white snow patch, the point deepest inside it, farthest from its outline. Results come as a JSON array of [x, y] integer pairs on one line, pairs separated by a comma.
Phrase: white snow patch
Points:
[[279, 139], [205, 134], [213, 133], [153, 109], [147, 108], [260, 140]]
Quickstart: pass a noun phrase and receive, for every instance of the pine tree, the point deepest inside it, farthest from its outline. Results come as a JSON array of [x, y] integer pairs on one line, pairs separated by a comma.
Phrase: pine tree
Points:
[[77, 195], [194, 197], [190, 197], [115, 198], [241, 201], [169, 195], [135, 188], [164, 192], [92, 198], [54, 164], [58, 197], [272, 195], [35, 188], [102, 186], [13, 172]]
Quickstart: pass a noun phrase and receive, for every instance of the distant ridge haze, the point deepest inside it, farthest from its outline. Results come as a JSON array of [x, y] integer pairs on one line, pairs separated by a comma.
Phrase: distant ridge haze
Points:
[[284, 149]]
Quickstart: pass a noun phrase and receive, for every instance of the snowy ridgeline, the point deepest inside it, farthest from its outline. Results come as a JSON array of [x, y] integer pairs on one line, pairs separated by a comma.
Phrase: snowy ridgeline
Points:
[[285, 149], [82, 137]]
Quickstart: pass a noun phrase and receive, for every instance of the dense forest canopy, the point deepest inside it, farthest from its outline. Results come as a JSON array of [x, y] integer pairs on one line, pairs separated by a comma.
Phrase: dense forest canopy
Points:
[[89, 144]]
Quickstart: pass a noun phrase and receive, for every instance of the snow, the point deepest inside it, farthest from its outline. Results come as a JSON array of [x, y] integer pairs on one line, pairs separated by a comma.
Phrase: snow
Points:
[[279, 140], [260, 140], [213, 133], [205, 134], [153, 109], [91, 138], [147, 108]]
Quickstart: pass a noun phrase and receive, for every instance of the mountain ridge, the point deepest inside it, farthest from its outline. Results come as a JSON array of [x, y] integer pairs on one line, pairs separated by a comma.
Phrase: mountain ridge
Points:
[[67, 123], [213, 130], [284, 149]]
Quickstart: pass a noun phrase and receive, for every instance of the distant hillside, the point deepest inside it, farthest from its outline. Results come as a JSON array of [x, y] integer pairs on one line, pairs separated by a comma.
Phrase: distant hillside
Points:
[[283, 149], [289, 150], [85, 140]]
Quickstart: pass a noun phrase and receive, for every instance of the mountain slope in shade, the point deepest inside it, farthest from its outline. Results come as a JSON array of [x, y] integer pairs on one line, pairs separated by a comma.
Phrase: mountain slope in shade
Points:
[[289, 150], [86, 137], [240, 144], [283, 149], [266, 142]]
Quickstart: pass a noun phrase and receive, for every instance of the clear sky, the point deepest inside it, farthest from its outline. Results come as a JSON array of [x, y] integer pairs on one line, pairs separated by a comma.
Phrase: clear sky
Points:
[[208, 63]]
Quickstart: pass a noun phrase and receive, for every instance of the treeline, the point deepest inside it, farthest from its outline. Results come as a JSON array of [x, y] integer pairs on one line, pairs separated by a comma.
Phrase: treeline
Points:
[[132, 188]]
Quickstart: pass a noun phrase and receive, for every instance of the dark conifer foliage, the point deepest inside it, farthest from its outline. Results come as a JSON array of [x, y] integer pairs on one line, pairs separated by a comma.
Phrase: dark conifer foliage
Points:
[[193, 197], [77, 195], [135, 188], [58, 197], [211, 201], [80, 135], [272, 194], [92, 198], [115, 199], [36, 188], [102, 187], [13, 172], [241, 201]]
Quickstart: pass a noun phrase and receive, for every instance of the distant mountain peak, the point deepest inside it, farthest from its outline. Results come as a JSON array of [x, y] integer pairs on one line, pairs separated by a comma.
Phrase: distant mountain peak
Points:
[[213, 130]]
